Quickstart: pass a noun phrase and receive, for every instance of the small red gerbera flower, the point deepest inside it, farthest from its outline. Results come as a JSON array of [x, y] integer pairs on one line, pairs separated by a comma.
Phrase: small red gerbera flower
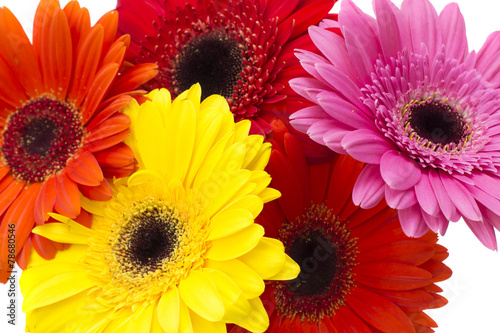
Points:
[[359, 271], [240, 49], [60, 125]]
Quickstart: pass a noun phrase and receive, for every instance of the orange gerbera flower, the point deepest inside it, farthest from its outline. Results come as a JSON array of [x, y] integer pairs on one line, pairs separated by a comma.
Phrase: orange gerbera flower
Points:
[[60, 125]]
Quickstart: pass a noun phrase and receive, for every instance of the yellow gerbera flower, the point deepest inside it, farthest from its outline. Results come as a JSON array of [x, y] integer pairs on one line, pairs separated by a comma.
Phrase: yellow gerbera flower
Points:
[[176, 249]]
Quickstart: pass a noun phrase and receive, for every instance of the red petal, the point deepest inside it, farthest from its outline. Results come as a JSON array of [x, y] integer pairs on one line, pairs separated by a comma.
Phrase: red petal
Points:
[[84, 169], [392, 276], [410, 251], [379, 312], [68, 196], [344, 176], [45, 200]]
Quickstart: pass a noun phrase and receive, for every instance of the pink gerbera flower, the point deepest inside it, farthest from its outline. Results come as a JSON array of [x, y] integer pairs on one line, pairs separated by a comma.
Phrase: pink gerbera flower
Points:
[[403, 93]]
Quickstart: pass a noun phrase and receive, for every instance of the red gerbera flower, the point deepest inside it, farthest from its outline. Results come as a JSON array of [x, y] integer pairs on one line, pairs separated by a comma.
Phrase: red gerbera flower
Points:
[[240, 49], [61, 132], [359, 271]]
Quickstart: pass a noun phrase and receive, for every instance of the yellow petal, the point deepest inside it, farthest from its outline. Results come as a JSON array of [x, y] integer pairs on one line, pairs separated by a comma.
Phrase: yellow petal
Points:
[[142, 319], [152, 139], [267, 258], [252, 203], [269, 194], [236, 245], [202, 325], [249, 282], [235, 304], [193, 94], [161, 98], [289, 271], [253, 145], [168, 311], [200, 295], [228, 222], [221, 187], [60, 286], [241, 130], [68, 231], [181, 129], [215, 101], [259, 162], [91, 206], [257, 320], [185, 324], [144, 177]]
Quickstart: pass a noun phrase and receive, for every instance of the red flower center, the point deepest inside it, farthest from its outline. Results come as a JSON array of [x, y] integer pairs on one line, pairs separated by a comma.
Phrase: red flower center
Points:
[[40, 137], [214, 60], [326, 253]]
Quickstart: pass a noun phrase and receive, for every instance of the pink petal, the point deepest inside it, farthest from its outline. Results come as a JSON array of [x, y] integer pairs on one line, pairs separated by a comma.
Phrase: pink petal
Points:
[[308, 88], [334, 49], [447, 206], [369, 187], [436, 223], [486, 199], [320, 128], [333, 138], [488, 59], [461, 197], [344, 111], [366, 146], [424, 24], [490, 217], [484, 232], [425, 195], [412, 221], [305, 118], [398, 171], [361, 38], [391, 38], [453, 28], [489, 183], [400, 199]]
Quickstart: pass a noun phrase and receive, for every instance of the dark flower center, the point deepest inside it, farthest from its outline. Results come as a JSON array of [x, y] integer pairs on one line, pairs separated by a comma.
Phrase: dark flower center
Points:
[[437, 122], [318, 262], [212, 59], [150, 237], [326, 254], [40, 137]]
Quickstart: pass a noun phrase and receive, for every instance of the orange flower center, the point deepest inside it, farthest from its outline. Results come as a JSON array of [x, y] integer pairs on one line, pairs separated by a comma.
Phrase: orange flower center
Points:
[[40, 137]]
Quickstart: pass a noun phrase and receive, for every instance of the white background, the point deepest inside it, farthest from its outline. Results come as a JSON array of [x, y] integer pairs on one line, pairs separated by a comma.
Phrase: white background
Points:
[[474, 289]]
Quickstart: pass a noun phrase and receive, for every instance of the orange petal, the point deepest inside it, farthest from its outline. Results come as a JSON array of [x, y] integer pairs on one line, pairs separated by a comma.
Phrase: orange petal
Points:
[[44, 247], [68, 196], [116, 156], [111, 126], [45, 200], [379, 312], [87, 59], [97, 90], [84, 218], [9, 193], [120, 172], [134, 77], [18, 52], [24, 255], [84, 169], [98, 193], [392, 276], [11, 91], [116, 52], [78, 20], [110, 23], [4, 170], [110, 109], [18, 220], [108, 142]]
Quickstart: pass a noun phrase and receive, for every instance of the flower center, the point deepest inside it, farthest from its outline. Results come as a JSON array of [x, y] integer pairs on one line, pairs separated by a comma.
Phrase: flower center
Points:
[[322, 246], [436, 121], [214, 60], [147, 240], [40, 137], [318, 262]]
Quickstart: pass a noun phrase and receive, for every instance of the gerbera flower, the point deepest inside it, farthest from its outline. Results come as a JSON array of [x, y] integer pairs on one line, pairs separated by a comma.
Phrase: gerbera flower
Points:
[[61, 132], [242, 50], [359, 271], [404, 94], [176, 249]]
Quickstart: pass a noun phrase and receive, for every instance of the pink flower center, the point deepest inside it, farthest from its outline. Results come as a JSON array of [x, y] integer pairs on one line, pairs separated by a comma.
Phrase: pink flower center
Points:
[[436, 121], [40, 137]]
